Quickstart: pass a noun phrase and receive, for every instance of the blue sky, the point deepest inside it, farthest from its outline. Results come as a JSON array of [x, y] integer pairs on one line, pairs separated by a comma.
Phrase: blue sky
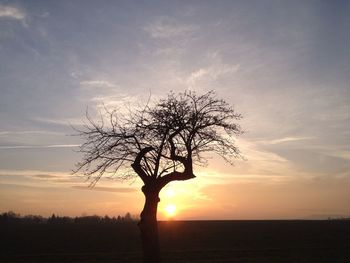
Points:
[[284, 65]]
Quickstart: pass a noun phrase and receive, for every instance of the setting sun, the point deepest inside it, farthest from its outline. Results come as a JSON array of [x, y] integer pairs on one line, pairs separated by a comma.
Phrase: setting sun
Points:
[[170, 210]]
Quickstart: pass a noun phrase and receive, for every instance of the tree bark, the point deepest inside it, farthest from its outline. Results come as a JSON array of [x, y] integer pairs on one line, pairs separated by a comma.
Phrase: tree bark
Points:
[[149, 226]]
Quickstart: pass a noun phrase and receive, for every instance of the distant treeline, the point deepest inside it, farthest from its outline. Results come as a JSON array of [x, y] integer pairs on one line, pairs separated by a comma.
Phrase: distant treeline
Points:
[[11, 217]]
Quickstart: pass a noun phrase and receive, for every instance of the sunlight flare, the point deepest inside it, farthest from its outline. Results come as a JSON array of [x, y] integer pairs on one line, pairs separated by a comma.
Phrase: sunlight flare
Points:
[[170, 210]]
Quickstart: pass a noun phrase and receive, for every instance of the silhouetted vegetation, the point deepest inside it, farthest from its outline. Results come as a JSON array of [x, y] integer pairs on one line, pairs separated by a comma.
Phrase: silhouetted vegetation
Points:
[[12, 218]]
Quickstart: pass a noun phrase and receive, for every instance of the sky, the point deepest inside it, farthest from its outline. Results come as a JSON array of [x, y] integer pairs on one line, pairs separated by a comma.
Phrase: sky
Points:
[[284, 65]]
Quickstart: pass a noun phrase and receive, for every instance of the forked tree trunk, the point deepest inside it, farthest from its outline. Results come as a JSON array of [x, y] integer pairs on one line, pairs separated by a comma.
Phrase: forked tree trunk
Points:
[[149, 227]]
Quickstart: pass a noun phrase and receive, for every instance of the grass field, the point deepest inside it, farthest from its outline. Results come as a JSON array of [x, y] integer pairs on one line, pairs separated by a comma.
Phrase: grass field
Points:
[[187, 241]]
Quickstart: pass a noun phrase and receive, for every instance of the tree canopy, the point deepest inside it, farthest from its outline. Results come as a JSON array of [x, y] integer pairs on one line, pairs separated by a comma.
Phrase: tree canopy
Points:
[[160, 141]]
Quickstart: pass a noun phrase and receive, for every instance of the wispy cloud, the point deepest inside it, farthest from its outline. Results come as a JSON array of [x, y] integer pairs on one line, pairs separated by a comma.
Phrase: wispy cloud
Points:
[[28, 132], [285, 139], [45, 176], [166, 27], [40, 146], [106, 189], [31, 173], [210, 73], [64, 121], [213, 68], [122, 103], [97, 84], [262, 161], [339, 154], [11, 13], [33, 177]]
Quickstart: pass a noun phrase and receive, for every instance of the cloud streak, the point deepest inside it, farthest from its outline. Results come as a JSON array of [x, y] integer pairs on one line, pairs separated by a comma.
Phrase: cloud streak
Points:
[[211, 73], [97, 84], [40, 146], [64, 122], [285, 140], [166, 27], [28, 132], [105, 189], [11, 13]]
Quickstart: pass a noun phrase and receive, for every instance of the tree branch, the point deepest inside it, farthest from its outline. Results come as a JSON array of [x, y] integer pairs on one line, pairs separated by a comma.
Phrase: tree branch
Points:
[[174, 176], [136, 165]]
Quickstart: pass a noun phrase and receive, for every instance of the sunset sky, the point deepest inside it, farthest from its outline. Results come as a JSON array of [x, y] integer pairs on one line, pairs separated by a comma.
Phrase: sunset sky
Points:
[[285, 65]]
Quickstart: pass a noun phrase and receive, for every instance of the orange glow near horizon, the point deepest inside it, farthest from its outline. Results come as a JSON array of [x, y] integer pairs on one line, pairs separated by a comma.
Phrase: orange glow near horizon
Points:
[[170, 210], [169, 207]]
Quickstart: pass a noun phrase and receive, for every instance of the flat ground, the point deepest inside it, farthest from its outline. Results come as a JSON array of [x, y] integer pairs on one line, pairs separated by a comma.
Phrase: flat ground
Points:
[[190, 241]]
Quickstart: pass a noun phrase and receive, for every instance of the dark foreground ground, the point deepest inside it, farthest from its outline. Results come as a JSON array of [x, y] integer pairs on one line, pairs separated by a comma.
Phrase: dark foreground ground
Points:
[[200, 241]]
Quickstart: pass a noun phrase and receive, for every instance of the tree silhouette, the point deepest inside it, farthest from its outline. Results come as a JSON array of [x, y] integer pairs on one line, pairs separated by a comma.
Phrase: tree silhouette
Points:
[[160, 143]]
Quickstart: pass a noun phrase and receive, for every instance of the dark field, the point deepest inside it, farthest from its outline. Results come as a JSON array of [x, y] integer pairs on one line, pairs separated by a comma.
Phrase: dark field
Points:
[[190, 241]]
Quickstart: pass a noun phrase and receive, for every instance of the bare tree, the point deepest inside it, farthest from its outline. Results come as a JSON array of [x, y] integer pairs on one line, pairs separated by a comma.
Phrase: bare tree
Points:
[[160, 143]]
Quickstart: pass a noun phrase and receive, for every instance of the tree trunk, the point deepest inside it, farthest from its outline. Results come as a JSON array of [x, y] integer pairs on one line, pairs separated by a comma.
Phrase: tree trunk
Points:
[[149, 227]]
